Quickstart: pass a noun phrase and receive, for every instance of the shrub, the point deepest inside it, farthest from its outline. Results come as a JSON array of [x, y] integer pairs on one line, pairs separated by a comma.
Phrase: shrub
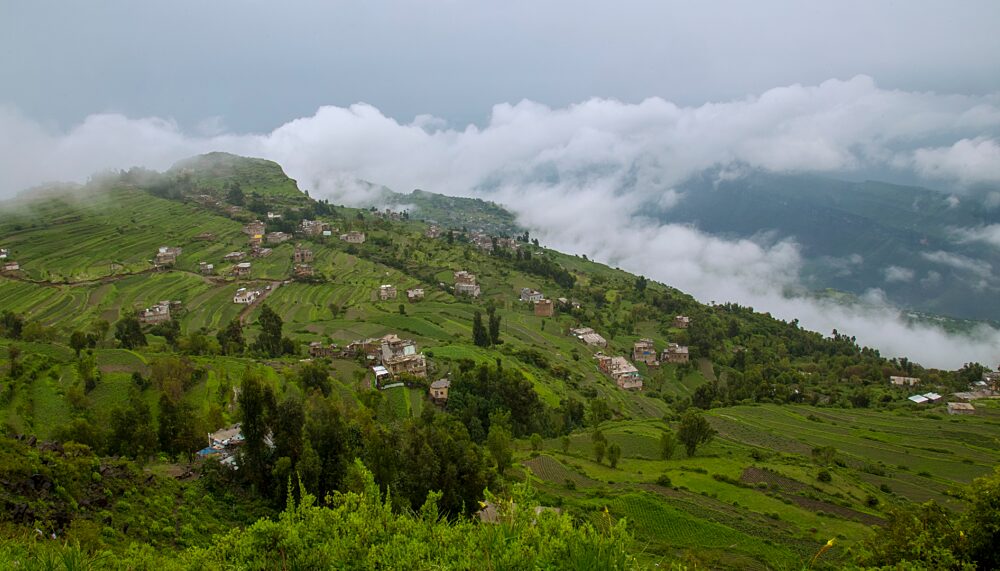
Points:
[[824, 476], [664, 480]]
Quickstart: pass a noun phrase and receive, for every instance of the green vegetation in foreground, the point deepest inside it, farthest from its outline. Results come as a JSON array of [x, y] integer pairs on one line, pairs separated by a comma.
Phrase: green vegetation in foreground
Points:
[[803, 438]]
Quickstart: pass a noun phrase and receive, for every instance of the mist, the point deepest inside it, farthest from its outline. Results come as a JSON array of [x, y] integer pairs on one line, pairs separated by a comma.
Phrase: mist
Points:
[[580, 177]]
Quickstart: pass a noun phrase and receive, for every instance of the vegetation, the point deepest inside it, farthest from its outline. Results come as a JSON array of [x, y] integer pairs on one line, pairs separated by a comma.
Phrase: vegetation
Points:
[[791, 437]]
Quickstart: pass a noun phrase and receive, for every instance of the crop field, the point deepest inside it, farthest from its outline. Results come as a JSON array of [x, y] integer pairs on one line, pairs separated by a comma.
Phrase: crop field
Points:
[[551, 470]]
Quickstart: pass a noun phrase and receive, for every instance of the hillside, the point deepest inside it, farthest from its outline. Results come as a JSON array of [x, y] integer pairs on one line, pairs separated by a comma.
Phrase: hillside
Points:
[[851, 233], [811, 441]]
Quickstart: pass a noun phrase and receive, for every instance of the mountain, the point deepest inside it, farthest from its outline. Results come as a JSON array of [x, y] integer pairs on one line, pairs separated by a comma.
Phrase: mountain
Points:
[[856, 236], [802, 437]]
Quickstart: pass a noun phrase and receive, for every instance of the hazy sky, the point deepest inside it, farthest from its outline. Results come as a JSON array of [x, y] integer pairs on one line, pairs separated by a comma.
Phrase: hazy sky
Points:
[[254, 65]]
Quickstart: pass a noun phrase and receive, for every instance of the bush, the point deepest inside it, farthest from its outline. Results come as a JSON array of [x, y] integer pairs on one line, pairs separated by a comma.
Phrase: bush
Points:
[[664, 480], [824, 476]]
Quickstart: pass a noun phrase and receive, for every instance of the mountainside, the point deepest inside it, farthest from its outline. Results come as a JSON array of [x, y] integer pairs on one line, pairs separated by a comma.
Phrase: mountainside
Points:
[[856, 236], [749, 443]]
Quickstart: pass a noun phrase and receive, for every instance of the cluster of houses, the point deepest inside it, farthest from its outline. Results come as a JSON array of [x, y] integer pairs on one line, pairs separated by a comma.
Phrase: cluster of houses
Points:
[[644, 351], [315, 228], [620, 370], [465, 284], [391, 357], [415, 294], [389, 215]]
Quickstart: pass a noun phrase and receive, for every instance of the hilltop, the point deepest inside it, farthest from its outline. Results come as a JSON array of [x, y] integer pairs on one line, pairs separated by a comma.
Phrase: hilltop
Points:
[[812, 440]]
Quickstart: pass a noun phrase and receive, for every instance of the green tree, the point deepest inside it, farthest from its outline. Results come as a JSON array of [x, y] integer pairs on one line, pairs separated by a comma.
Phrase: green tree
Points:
[[536, 441], [269, 342], [131, 431], [599, 411], [600, 447], [479, 334], [235, 195], [499, 441], [129, 333], [565, 441], [78, 342], [694, 431], [11, 324], [494, 326], [982, 521], [315, 376], [614, 454], [668, 443], [231, 338], [255, 401]]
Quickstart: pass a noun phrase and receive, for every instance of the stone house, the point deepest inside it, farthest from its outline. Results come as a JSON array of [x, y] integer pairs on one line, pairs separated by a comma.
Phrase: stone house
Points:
[[401, 356], [255, 228], [531, 295], [318, 350], [961, 408], [465, 284], [206, 269], [302, 255], [303, 271], [904, 381], [415, 294], [544, 308], [439, 391], [386, 292], [618, 368], [158, 313], [682, 321], [234, 256], [589, 337], [313, 227], [277, 237], [643, 351], [258, 252], [11, 266], [242, 270], [433, 231], [245, 296], [675, 354], [353, 237], [167, 256]]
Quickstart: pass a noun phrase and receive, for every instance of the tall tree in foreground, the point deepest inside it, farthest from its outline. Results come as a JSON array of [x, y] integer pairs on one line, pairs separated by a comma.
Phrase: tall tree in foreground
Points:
[[694, 431], [269, 342], [255, 401], [494, 326], [479, 334]]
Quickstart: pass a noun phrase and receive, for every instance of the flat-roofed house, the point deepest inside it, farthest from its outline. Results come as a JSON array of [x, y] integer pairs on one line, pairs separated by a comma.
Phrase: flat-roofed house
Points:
[[618, 368], [353, 237], [682, 321], [643, 351], [531, 295], [544, 308], [465, 284], [675, 353], [904, 381], [242, 270], [158, 313], [386, 292], [961, 408]]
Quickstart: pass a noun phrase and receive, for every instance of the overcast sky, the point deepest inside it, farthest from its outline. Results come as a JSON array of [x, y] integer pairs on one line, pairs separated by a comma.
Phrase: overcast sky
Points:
[[576, 115], [255, 64]]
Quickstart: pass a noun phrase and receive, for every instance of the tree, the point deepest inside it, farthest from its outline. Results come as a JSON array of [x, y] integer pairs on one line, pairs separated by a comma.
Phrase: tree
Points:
[[129, 333], [600, 447], [402, 309], [231, 338], [269, 342], [599, 411], [536, 441], [982, 521], [13, 356], [479, 335], [494, 327], [668, 443], [315, 376], [235, 195], [565, 444], [499, 440], [78, 341], [255, 400], [11, 324], [614, 453], [131, 429], [694, 431]]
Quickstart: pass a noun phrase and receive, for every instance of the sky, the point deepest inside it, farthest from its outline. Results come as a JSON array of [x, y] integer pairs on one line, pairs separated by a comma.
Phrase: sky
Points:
[[573, 114]]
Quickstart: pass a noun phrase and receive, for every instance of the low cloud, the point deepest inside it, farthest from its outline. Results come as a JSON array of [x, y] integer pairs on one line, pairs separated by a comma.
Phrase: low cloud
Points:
[[898, 274], [989, 234], [581, 177]]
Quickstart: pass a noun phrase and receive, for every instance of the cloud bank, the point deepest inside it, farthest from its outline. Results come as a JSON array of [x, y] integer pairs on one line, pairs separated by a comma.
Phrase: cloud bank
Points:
[[581, 177]]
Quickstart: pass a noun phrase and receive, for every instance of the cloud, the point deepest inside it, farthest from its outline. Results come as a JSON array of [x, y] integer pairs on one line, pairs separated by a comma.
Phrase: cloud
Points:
[[969, 161], [898, 274], [989, 234], [977, 268], [581, 177]]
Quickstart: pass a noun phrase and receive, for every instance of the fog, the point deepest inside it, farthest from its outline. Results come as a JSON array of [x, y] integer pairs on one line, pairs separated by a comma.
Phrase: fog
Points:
[[580, 178]]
